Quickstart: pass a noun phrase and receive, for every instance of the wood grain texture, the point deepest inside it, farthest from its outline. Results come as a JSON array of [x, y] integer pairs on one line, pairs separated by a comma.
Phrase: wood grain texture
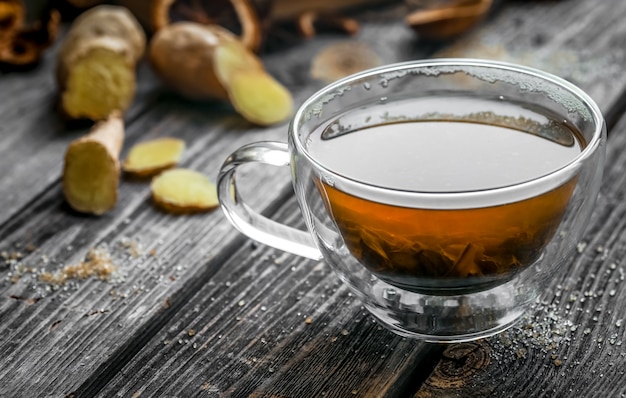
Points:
[[184, 245], [574, 341], [271, 324], [54, 341], [571, 343], [274, 375], [579, 40], [240, 311]]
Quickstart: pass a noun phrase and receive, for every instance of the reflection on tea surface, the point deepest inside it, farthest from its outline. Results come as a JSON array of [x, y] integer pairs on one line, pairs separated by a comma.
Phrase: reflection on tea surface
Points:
[[421, 248]]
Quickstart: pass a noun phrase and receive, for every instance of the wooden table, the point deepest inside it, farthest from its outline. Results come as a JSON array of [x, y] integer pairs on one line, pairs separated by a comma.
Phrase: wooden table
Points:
[[196, 309]]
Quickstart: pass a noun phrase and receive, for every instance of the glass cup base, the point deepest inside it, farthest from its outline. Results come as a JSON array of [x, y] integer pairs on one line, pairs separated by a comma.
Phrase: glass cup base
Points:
[[448, 319]]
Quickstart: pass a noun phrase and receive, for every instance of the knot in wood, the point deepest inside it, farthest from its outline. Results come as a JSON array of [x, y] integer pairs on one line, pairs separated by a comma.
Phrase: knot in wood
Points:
[[459, 363]]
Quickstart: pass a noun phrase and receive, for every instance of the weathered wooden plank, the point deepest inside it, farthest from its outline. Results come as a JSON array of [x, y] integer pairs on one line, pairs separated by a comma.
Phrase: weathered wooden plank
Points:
[[184, 245], [574, 341], [150, 373], [87, 345], [570, 345], [579, 40], [52, 342], [270, 324]]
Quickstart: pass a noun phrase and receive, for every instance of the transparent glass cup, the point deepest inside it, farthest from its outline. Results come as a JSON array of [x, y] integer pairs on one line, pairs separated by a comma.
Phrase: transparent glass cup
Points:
[[434, 305]]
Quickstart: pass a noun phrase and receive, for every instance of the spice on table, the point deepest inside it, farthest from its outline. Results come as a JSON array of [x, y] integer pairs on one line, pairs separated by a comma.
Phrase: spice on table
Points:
[[223, 68], [184, 191], [91, 168], [152, 157], [98, 263]]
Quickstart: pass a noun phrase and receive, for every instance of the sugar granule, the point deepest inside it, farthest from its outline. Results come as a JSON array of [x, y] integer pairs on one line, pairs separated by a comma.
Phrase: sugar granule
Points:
[[97, 263]]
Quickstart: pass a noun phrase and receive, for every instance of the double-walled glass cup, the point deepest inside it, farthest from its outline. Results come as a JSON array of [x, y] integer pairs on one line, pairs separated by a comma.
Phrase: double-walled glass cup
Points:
[[440, 264]]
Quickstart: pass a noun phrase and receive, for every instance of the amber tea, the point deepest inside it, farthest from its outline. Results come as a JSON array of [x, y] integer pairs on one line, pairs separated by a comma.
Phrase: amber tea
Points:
[[420, 248]]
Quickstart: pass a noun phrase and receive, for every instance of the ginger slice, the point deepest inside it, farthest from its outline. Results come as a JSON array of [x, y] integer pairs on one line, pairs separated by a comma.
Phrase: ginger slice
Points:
[[151, 157], [182, 54], [205, 62], [181, 191], [96, 64], [230, 57], [258, 97], [100, 81], [91, 169], [254, 94]]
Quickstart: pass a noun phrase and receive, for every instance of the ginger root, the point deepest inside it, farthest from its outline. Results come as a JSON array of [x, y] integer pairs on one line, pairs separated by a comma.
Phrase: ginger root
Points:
[[207, 61], [183, 191], [258, 97], [96, 63], [151, 157], [91, 171]]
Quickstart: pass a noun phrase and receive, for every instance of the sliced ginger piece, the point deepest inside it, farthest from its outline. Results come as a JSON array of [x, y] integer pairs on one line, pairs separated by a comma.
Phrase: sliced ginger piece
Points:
[[91, 169], [208, 62], [95, 68], [181, 191], [151, 157], [231, 56], [258, 97], [182, 54], [102, 80]]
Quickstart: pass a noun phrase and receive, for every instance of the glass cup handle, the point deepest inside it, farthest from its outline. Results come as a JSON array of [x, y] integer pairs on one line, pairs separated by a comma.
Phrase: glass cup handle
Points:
[[248, 221]]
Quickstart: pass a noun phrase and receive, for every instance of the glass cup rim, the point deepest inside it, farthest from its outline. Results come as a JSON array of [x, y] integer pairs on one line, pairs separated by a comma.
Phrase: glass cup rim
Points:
[[452, 197]]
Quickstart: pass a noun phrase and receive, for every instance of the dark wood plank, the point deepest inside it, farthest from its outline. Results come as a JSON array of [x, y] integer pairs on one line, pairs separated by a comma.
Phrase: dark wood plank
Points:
[[573, 343], [184, 245], [579, 40], [52, 341], [228, 361], [270, 324]]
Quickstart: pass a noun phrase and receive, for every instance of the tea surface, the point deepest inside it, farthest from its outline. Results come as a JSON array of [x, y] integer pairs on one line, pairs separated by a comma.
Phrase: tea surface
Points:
[[442, 156], [418, 248]]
